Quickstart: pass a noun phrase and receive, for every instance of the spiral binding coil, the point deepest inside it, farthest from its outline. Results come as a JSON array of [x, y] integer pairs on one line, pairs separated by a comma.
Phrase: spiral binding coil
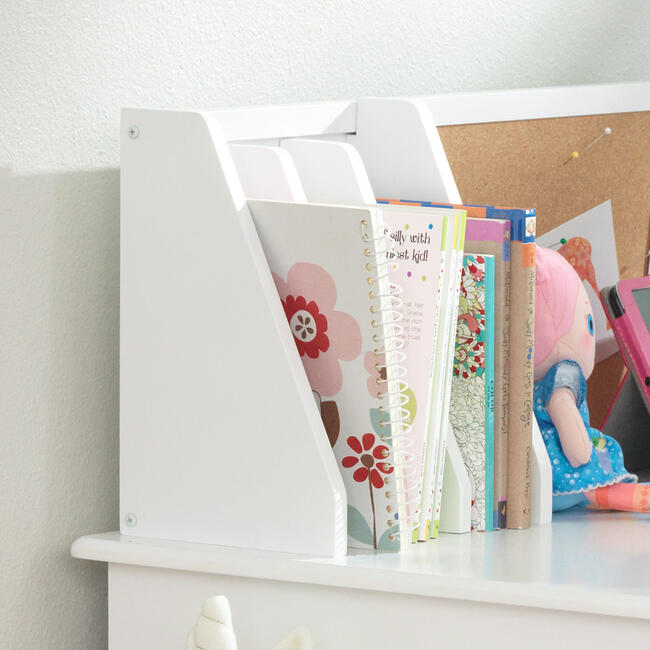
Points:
[[394, 398]]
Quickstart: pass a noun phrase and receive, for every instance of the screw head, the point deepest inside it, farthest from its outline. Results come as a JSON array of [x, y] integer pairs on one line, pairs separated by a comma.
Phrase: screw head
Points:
[[130, 519], [133, 132]]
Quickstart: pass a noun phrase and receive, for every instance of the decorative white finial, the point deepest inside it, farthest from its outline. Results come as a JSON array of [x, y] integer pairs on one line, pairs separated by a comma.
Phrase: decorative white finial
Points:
[[213, 629], [299, 639]]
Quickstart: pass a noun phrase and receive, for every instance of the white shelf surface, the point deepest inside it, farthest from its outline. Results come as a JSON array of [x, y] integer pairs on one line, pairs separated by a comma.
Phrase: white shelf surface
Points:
[[591, 562]]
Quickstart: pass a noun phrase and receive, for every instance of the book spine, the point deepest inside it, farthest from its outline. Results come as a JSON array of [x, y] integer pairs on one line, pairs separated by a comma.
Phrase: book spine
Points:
[[448, 330], [449, 369], [490, 520], [502, 398], [431, 444], [520, 411]]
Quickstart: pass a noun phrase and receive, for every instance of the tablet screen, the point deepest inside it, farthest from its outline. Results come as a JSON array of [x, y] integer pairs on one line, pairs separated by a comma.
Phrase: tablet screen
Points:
[[642, 299]]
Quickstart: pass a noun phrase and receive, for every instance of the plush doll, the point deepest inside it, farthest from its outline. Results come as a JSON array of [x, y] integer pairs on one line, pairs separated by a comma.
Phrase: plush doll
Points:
[[587, 465]]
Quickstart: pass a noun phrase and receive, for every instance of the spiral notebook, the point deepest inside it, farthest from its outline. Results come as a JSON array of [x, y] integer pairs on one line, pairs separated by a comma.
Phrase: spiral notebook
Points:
[[451, 259], [330, 266], [421, 246]]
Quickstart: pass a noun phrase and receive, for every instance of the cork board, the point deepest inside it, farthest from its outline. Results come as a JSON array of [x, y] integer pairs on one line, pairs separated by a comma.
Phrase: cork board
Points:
[[520, 164]]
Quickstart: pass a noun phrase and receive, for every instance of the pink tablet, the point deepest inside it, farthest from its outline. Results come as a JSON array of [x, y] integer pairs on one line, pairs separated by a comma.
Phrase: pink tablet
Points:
[[629, 314]]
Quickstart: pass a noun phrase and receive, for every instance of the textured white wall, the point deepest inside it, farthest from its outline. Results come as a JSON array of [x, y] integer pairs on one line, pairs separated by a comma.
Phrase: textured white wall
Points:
[[65, 70]]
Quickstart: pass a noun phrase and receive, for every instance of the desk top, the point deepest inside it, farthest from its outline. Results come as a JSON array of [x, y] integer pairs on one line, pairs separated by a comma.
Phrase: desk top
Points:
[[586, 561]]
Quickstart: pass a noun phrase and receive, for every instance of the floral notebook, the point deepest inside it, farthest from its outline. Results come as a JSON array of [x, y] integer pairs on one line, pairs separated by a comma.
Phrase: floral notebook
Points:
[[471, 412], [330, 267]]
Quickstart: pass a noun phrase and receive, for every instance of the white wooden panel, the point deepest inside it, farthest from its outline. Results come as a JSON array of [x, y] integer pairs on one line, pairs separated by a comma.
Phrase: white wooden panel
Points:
[[267, 173], [538, 103], [455, 511], [269, 142], [290, 120], [587, 561], [217, 422], [330, 171], [340, 117], [541, 480], [401, 149], [155, 609], [574, 573]]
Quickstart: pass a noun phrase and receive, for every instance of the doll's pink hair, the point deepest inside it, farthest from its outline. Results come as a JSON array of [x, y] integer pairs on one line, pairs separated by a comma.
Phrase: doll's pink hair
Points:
[[556, 291]]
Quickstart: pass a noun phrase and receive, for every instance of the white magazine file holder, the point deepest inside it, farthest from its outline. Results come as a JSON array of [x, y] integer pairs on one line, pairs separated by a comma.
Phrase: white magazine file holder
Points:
[[220, 439]]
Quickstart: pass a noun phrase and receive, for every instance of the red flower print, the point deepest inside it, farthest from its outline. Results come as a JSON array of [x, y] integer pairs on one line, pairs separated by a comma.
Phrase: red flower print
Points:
[[308, 326], [324, 336], [475, 272], [367, 456], [372, 457], [472, 322]]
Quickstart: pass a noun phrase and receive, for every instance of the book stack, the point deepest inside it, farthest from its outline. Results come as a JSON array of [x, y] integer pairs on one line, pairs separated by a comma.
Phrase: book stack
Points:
[[414, 322]]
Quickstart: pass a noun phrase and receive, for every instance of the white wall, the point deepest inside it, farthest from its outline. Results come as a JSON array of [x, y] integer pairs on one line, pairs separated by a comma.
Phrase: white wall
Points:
[[65, 70]]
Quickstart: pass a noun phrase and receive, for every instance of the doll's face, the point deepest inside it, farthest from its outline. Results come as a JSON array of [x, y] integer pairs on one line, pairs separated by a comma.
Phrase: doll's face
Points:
[[578, 344]]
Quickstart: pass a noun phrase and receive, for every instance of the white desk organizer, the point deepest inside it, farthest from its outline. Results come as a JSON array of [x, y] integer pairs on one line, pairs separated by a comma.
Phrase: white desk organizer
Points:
[[200, 461], [220, 439]]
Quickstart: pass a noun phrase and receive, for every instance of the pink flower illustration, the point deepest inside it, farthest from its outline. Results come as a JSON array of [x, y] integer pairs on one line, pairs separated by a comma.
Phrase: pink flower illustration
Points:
[[375, 365], [322, 335]]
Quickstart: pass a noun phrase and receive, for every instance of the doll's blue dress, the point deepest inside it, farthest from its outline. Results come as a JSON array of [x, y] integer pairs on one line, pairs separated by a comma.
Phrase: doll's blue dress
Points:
[[605, 467]]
